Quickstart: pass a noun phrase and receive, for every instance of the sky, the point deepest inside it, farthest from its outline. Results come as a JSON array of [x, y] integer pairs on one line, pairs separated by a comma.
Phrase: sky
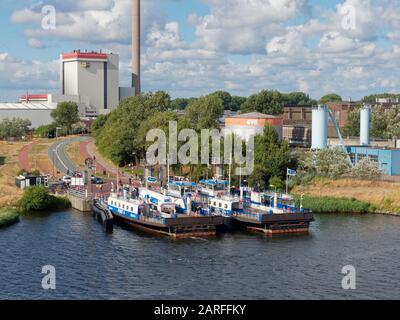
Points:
[[194, 47]]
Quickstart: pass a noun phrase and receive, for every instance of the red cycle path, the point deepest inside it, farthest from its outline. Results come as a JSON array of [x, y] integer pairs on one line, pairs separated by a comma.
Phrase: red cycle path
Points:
[[23, 157]]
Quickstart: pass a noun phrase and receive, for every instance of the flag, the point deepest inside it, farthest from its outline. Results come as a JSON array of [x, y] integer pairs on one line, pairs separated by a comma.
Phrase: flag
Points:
[[291, 172]]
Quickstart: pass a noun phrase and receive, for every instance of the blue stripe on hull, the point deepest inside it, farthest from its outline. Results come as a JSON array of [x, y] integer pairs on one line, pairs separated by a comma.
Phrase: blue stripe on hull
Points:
[[124, 213]]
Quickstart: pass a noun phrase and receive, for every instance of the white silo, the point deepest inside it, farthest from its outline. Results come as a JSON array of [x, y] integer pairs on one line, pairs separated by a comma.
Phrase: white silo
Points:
[[365, 125], [320, 127]]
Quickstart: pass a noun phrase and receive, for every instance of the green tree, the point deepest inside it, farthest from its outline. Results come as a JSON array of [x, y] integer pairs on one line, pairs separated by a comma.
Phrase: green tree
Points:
[[298, 99], [66, 114], [372, 98], [118, 138], [160, 121], [204, 112], [352, 127], [98, 124], [181, 103], [46, 131], [237, 102], [277, 182], [14, 128], [271, 158], [268, 102], [331, 97]]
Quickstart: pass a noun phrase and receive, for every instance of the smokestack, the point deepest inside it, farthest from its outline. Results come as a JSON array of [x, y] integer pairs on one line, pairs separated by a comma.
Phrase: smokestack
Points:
[[136, 46]]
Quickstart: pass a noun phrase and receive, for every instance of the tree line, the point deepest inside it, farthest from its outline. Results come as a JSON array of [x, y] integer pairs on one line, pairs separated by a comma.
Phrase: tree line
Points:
[[121, 135]]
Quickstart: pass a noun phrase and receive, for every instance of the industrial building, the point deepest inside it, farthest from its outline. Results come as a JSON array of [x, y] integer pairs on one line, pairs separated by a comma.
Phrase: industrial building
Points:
[[251, 124], [387, 160], [91, 79], [297, 121]]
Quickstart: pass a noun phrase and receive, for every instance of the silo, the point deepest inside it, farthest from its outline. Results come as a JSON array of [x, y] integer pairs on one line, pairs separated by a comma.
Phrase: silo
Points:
[[365, 125], [319, 127]]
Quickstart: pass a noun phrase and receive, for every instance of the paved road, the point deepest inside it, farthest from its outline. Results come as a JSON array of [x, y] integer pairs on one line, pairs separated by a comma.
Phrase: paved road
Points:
[[58, 155]]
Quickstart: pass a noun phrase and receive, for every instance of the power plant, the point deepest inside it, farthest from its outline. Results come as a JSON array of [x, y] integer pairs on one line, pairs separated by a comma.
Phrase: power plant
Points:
[[88, 78], [136, 82]]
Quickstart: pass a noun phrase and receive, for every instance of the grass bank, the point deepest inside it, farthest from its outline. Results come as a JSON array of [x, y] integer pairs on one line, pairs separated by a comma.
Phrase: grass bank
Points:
[[335, 205], [8, 216], [383, 196]]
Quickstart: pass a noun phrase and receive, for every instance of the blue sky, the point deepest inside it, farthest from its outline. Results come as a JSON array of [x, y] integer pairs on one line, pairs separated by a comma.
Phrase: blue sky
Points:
[[192, 47]]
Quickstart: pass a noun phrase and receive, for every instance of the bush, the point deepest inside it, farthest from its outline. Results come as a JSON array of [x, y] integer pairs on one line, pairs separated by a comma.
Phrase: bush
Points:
[[332, 163], [366, 169], [334, 205], [23, 172], [8, 216], [14, 128], [38, 198]]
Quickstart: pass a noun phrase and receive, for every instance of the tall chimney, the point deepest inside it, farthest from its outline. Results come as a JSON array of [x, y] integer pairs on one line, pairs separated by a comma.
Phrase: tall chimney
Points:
[[136, 46]]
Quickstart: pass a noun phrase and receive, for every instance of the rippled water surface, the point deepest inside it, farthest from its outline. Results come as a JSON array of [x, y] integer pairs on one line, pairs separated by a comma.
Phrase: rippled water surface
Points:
[[128, 265]]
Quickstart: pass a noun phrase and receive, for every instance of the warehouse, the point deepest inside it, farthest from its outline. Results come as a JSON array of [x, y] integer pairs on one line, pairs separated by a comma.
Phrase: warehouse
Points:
[[251, 124], [388, 160], [38, 113]]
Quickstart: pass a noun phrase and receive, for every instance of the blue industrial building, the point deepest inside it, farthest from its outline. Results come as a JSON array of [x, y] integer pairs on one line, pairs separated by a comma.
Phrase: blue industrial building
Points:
[[388, 160]]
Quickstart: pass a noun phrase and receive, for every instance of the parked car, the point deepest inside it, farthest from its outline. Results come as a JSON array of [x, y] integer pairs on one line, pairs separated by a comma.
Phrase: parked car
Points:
[[67, 179], [97, 180], [77, 174]]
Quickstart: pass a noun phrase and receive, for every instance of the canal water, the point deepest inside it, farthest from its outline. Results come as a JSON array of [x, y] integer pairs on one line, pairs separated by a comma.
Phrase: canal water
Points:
[[128, 265]]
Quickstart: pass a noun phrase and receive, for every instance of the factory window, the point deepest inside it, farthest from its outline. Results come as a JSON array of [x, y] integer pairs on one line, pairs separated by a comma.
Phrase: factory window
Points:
[[361, 156], [373, 158], [353, 158], [105, 86]]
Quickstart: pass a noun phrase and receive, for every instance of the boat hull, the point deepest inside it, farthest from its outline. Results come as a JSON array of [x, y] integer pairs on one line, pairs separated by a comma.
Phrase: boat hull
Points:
[[276, 224], [185, 227]]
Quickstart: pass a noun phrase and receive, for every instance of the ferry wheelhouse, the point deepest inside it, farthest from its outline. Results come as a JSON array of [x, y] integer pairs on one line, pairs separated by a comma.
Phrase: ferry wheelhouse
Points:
[[213, 188]]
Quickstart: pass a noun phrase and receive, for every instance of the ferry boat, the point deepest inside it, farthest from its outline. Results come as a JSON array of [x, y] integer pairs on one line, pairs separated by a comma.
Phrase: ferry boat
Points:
[[161, 217], [268, 213], [272, 213]]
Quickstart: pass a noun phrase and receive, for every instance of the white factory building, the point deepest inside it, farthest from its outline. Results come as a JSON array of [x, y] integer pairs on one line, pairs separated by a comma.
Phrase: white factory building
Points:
[[91, 79]]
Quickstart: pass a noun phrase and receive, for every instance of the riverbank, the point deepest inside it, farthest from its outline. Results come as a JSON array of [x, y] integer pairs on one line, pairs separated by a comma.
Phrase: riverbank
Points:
[[335, 205], [382, 197], [8, 216]]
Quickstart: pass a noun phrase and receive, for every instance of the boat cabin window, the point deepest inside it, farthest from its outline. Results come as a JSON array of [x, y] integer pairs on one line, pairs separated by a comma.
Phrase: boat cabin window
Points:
[[266, 201], [226, 206], [236, 205]]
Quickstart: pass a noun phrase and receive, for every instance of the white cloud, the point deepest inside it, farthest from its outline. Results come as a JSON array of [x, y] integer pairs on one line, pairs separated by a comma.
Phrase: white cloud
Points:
[[241, 45]]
